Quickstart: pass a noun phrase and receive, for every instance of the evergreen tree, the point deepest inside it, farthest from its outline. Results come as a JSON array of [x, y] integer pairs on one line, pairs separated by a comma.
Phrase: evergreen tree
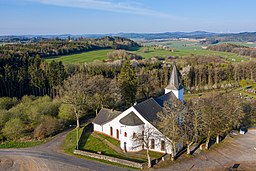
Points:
[[128, 83]]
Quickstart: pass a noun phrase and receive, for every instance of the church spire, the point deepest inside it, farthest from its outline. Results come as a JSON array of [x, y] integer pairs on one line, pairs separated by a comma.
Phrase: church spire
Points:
[[174, 83]]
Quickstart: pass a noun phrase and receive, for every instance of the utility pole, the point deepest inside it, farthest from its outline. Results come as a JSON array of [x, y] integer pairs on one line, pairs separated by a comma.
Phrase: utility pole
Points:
[[77, 138]]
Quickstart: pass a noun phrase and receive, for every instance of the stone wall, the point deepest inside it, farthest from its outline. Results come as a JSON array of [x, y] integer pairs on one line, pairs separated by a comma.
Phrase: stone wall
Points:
[[111, 159]]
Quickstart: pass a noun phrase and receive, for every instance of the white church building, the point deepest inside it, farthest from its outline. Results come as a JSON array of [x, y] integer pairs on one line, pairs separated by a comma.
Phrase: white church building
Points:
[[123, 126]]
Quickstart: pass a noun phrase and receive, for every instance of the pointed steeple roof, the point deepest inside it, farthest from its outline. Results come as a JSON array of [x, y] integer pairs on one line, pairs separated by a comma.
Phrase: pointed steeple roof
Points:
[[174, 83]]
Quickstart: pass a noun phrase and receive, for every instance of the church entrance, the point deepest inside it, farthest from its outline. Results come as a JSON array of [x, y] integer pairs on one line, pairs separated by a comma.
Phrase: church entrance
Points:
[[125, 147]]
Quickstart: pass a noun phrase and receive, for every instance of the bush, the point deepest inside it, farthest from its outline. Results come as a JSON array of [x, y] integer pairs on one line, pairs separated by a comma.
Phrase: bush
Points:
[[49, 126], [14, 129], [7, 102], [48, 108], [66, 113], [4, 117]]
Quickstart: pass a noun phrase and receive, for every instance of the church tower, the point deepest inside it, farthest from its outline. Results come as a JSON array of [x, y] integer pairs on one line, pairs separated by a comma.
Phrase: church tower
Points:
[[175, 85]]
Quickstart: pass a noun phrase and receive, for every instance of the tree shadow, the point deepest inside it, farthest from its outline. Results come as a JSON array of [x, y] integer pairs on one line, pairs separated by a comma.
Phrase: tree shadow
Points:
[[234, 167], [88, 129], [194, 150], [211, 143]]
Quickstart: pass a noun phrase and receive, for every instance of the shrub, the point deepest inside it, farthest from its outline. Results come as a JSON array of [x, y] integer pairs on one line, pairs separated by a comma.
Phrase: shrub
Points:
[[4, 117], [14, 129], [49, 126], [66, 113], [7, 102]]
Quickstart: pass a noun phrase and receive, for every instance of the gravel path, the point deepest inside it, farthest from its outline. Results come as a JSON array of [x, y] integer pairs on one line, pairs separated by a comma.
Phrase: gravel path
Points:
[[240, 150]]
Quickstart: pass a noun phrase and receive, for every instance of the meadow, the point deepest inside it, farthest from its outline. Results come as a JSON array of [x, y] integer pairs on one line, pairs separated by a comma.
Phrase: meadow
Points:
[[182, 49], [82, 57]]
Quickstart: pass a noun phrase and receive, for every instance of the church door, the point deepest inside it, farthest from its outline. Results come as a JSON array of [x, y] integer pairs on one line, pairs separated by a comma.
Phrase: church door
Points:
[[125, 147]]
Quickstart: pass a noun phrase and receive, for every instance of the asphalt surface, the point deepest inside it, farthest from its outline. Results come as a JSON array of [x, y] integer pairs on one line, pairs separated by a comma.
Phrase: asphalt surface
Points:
[[240, 151]]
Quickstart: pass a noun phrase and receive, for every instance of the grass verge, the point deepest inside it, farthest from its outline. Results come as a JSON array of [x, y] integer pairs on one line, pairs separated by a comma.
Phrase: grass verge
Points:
[[17, 144]]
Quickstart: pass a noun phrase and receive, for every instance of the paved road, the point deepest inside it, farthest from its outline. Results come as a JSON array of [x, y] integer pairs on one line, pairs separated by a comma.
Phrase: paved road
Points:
[[239, 150], [48, 157]]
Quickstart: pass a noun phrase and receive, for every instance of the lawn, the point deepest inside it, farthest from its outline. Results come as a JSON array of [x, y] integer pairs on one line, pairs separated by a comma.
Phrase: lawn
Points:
[[82, 57], [111, 140], [69, 143], [92, 144], [17, 144]]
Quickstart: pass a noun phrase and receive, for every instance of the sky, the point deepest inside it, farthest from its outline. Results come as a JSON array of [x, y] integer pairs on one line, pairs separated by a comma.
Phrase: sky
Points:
[[22, 17]]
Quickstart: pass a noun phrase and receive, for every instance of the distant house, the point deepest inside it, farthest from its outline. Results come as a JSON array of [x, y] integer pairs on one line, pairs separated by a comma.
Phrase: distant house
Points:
[[123, 125]]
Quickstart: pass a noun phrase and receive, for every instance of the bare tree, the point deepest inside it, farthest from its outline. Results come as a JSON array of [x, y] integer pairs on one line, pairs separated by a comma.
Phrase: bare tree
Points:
[[170, 122], [74, 92], [192, 124], [104, 92], [144, 139]]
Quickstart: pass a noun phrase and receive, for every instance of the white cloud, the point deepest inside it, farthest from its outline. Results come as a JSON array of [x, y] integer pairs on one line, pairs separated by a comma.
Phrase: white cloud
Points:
[[108, 5]]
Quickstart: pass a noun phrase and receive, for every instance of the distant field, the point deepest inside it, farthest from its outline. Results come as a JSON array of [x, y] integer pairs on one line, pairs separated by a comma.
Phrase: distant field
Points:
[[187, 53], [179, 44], [183, 49], [82, 57], [249, 44]]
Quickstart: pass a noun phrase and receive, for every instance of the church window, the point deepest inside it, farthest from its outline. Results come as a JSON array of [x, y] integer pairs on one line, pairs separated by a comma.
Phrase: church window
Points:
[[111, 131], [152, 144], [117, 134], [162, 145]]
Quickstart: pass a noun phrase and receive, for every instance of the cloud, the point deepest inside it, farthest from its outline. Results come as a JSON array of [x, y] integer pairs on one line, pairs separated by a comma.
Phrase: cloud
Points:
[[108, 5]]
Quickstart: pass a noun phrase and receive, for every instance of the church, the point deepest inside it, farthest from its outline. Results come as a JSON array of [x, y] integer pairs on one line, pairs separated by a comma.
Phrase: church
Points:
[[123, 126]]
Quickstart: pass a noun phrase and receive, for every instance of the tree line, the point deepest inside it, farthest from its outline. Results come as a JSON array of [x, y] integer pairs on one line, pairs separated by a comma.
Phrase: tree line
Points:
[[26, 75], [57, 47], [238, 49]]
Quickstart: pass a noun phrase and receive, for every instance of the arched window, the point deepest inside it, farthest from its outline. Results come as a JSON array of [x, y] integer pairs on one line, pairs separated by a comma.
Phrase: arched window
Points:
[[152, 144], [134, 135], [125, 134], [117, 134], [162, 145], [111, 131]]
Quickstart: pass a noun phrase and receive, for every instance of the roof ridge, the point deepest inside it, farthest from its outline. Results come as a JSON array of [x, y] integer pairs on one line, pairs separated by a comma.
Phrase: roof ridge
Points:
[[144, 101]]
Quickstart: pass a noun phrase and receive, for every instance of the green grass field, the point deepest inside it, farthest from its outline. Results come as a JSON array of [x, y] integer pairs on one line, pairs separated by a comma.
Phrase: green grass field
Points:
[[152, 52], [177, 44], [183, 49], [82, 57], [17, 144]]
